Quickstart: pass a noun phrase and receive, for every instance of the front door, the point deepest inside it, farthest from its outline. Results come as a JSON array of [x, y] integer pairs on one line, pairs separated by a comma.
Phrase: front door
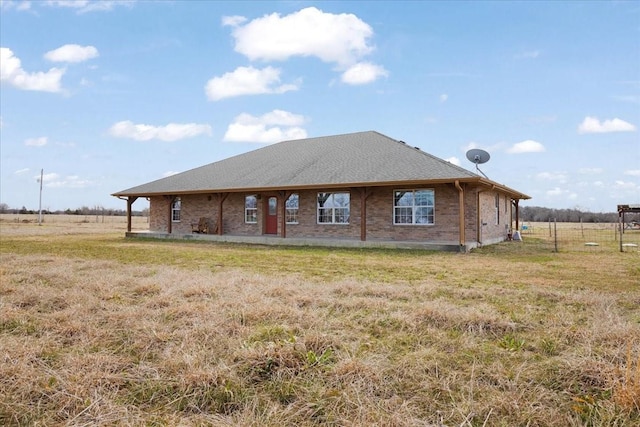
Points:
[[271, 223]]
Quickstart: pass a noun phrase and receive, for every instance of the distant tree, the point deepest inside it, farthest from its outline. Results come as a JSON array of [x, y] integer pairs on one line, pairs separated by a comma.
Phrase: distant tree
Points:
[[542, 214], [4, 208]]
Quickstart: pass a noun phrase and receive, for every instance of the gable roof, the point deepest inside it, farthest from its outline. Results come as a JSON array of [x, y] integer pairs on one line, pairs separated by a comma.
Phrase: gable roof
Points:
[[349, 160]]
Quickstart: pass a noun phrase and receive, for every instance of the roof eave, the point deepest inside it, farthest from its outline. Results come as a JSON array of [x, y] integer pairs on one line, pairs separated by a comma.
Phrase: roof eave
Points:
[[513, 193], [298, 187]]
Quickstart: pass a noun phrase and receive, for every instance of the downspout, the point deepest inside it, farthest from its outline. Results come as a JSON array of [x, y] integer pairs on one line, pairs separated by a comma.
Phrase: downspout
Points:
[[170, 224], [461, 214], [221, 198]]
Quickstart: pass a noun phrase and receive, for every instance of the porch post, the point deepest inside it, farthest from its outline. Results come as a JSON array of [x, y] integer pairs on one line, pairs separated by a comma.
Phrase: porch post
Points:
[[364, 195], [517, 204], [130, 201], [284, 196]]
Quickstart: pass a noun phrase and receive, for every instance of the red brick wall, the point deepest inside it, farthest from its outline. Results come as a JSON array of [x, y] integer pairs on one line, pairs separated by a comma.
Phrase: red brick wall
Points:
[[494, 229], [379, 216]]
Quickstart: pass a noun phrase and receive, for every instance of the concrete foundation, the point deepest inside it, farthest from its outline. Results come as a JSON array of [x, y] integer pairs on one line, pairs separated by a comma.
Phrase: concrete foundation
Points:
[[320, 242]]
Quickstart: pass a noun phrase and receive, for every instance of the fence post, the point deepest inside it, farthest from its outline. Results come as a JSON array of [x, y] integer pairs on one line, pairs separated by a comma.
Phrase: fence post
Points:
[[555, 234], [620, 227]]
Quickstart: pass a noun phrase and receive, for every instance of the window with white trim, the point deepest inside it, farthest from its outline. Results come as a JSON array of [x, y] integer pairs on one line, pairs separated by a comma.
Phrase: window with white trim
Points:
[[292, 205], [251, 209], [333, 208], [415, 207], [176, 206], [497, 209]]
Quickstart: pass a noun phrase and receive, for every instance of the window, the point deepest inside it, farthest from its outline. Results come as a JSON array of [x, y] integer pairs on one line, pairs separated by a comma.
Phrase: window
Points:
[[251, 209], [497, 209], [292, 205], [176, 205], [333, 208], [414, 207]]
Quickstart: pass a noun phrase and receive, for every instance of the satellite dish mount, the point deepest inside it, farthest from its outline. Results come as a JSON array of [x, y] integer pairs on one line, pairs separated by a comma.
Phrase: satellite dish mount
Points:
[[478, 156]]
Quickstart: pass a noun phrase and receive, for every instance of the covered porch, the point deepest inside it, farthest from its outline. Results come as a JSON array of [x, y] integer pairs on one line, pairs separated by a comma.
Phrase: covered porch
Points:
[[307, 241]]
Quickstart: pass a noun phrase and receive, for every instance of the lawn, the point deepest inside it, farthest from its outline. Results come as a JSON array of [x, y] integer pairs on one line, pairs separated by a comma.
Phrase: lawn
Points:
[[96, 329]]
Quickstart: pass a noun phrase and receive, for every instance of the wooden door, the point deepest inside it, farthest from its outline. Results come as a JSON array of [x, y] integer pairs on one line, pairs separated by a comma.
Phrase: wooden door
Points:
[[271, 217]]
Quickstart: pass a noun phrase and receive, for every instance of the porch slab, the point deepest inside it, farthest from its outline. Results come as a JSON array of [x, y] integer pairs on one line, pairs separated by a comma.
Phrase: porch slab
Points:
[[307, 241]]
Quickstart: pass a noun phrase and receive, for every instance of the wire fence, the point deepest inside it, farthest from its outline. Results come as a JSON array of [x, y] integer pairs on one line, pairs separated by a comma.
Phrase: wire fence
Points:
[[552, 235], [588, 237], [78, 223]]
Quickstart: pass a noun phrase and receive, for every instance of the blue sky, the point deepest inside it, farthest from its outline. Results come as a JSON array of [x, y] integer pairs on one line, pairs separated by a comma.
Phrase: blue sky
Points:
[[107, 95]]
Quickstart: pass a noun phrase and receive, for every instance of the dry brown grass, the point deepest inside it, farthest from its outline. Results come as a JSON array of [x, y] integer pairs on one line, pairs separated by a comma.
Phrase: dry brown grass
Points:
[[99, 330]]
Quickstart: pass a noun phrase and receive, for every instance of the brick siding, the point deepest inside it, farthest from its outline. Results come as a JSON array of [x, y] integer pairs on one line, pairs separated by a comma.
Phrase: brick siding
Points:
[[379, 219]]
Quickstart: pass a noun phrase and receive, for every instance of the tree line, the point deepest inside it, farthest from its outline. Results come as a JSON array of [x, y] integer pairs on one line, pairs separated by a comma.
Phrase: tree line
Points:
[[84, 210], [542, 214], [527, 213]]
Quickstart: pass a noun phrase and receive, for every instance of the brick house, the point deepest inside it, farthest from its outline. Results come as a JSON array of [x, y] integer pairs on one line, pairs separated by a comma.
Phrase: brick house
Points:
[[360, 189]]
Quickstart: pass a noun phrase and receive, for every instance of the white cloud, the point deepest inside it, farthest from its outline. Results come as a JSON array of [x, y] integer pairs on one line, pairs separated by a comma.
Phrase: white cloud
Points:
[[169, 173], [17, 5], [48, 177], [444, 97], [22, 171], [552, 176], [623, 185], [530, 54], [233, 21], [594, 125], [590, 171], [54, 180], [84, 6], [489, 148], [633, 172], [453, 160], [246, 81], [170, 132], [558, 192], [275, 126], [12, 73], [36, 142], [528, 146], [363, 73], [342, 38], [71, 53]]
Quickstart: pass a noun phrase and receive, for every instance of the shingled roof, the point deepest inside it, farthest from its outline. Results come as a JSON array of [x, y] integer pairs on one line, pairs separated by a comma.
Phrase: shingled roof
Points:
[[349, 160]]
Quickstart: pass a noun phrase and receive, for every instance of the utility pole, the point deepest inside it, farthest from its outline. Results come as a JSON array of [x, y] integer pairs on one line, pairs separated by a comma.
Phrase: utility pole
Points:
[[40, 204]]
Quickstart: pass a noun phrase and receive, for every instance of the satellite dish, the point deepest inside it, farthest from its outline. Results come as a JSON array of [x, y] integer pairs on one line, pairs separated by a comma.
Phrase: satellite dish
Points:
[[478, 156]]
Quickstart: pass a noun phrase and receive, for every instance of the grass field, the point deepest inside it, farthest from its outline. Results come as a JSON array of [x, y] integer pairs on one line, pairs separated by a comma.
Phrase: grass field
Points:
[[96, 329]]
